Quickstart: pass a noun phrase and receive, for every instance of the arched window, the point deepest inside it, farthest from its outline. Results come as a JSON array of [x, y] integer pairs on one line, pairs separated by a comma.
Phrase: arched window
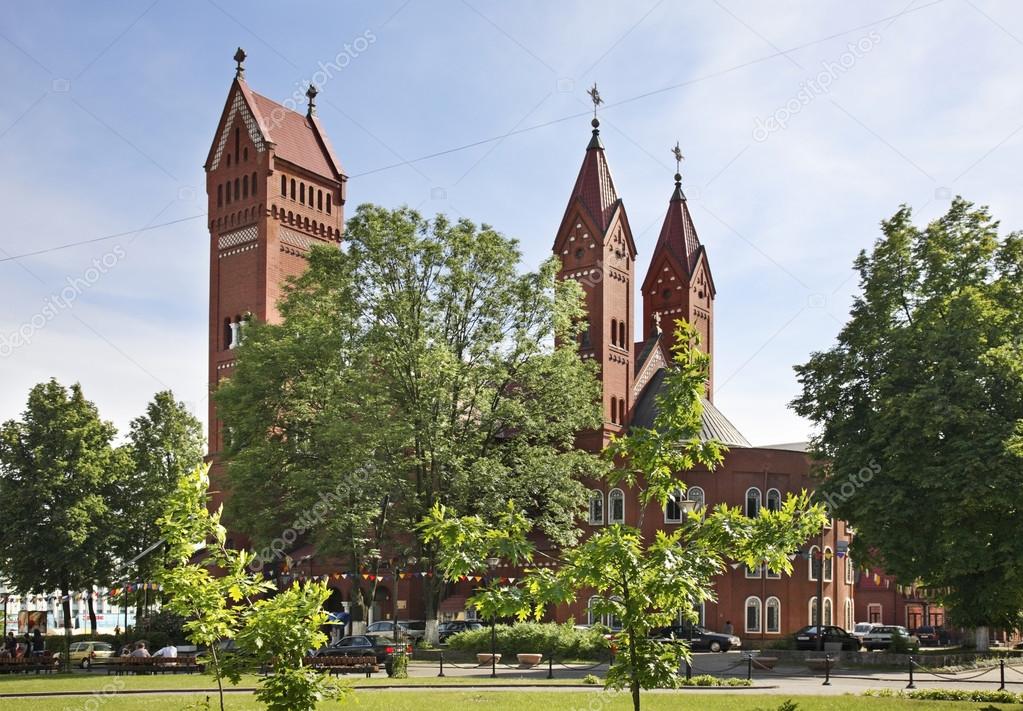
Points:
[[752, 501], [829, 564], [292, 188], [614, 410], [672, 511], [245, 186], [220, 195], [773, 500], [227, 334], [614, 332], [596, 508], [773, 609], [828, 617], [812, 611], [592, 616], [696, 494], [621, 334], [616, 506], [255, 192], [284, 186], [328, 203], [815, 563], [850, 617], [621, 411], [753, 610], [245, 153], [228, 160], [611, 619], [237, 142], [228, 192], [850, 571], [319, 199]]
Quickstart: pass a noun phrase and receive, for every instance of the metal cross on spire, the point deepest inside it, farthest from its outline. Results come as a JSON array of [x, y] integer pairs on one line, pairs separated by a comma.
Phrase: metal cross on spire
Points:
[[677, 152], [595, 97], [239, 57]]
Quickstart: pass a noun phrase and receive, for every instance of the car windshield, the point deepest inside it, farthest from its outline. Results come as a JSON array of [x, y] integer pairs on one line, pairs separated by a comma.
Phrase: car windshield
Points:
[[102, 647], [863, 627]]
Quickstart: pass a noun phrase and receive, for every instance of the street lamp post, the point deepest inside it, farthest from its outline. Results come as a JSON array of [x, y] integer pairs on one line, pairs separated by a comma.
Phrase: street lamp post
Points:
[[492, 564]]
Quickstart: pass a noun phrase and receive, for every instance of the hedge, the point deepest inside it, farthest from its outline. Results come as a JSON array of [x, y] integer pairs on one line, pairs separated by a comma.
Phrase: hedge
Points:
[[564, 641]]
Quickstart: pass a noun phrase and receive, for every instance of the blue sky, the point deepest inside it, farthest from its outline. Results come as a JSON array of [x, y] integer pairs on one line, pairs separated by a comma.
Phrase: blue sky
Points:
[[803, 123]]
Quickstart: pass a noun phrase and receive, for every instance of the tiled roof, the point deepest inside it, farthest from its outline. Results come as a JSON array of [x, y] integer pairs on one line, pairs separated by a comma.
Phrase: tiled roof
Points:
[[295, 137], [678, 234], [594, 186], [715, 425]]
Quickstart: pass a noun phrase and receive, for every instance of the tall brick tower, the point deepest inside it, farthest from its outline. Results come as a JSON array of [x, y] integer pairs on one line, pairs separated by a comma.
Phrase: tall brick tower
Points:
[[594, 243], [678, 283], [274, 188]]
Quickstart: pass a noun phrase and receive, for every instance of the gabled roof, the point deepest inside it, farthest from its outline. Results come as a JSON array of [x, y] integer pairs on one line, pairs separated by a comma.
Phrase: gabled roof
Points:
[[715, 425], [294, 137], [594, 187]]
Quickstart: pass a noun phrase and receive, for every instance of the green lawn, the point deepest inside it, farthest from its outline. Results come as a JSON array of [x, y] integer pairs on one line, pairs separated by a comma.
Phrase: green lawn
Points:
[[526, 701]]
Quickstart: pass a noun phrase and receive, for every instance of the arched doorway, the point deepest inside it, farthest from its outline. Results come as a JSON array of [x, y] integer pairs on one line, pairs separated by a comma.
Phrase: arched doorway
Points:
[[381, 604]]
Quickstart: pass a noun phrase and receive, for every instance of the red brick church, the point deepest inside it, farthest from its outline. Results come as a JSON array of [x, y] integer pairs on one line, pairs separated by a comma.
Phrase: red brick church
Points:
[[275, 188]]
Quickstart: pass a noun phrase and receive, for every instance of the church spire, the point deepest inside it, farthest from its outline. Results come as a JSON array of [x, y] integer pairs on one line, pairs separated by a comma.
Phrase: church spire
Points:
[[594, 187]]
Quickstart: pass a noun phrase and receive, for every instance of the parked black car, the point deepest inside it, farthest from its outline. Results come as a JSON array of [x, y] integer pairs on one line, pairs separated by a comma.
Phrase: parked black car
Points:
[[448, 629], [361, 645], [807, 638], [932, 636], [699, 638]]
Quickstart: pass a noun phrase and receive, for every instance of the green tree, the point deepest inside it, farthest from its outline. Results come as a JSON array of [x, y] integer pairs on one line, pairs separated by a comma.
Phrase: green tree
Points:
[[416, 366], [58, 470], [164, 444], [643, 584], [917, 405]]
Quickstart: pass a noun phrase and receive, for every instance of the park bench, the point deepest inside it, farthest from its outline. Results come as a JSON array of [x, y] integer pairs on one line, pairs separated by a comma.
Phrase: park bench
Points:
[[47, 663], [344, 665], [152, 665]]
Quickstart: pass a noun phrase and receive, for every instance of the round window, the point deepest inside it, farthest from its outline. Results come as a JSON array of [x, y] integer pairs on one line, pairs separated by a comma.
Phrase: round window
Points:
[[666, 294]]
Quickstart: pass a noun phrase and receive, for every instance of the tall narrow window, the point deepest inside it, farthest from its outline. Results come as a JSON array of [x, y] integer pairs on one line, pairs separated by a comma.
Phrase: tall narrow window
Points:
[[245, 186], [850, 621], [228, 191], [850, 571], [875, 613], [621, 411], [614, 332], [753, 609], [292, 188], [813, 611], [752, 502], [616, 506], [672, 510], [255, 192], [828, 613], [596, 508], [614, 410], [319, 199], [228, 334], [829, 564], [301, 193], [328, 203], [245, 153], [696, 494], [220, 195], [773, 608], [815, 563], [236, 191], [237, 142], [621, 334], [773, 500], [592, 616], [284, 186]]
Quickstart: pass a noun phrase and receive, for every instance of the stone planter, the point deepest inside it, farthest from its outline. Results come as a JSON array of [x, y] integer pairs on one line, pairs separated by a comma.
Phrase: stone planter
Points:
[[486, 659], [764, 662], [527, 661]]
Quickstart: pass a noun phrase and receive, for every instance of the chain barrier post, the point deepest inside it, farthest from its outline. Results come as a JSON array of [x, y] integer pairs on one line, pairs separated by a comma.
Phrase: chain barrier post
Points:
[[550, 666], [441, 663], [689, 671], [749, 667], [911, 685], [827, 670], [1001, 668]]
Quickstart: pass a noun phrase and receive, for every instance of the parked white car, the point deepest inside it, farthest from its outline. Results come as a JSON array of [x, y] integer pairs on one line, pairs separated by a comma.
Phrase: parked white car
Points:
[[861, 629], [883, 637]]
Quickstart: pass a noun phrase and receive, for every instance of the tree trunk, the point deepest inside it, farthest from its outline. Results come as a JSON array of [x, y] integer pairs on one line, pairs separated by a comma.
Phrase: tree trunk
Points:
[[92, 614], [65, 604], [432, 603], [983, 639]]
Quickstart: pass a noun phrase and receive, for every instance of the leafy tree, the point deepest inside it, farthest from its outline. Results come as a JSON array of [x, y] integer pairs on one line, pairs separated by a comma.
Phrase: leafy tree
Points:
[[414, 367], [919, 407], [57, 473], [163, 445], [215, 593], [643, 584]]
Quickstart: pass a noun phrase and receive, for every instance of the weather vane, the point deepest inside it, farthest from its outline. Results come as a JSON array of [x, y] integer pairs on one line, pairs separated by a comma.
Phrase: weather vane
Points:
[[239, 57], [595, 96], [677, 152]]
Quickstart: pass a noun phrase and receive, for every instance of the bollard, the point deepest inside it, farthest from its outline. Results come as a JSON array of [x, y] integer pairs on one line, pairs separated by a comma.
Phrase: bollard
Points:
[[689, 671], [550, 666], [1001, 670], [441, 664], [911, 685], [827, 670], [749, 667]]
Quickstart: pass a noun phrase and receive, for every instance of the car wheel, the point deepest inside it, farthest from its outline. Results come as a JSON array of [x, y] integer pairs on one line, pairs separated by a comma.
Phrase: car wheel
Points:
[[715, 646]]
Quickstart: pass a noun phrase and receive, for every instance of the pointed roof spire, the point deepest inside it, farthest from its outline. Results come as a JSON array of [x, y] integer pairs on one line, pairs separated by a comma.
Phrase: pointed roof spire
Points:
[[311, 93], [594, 187], [678, 234], [239, 57]]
